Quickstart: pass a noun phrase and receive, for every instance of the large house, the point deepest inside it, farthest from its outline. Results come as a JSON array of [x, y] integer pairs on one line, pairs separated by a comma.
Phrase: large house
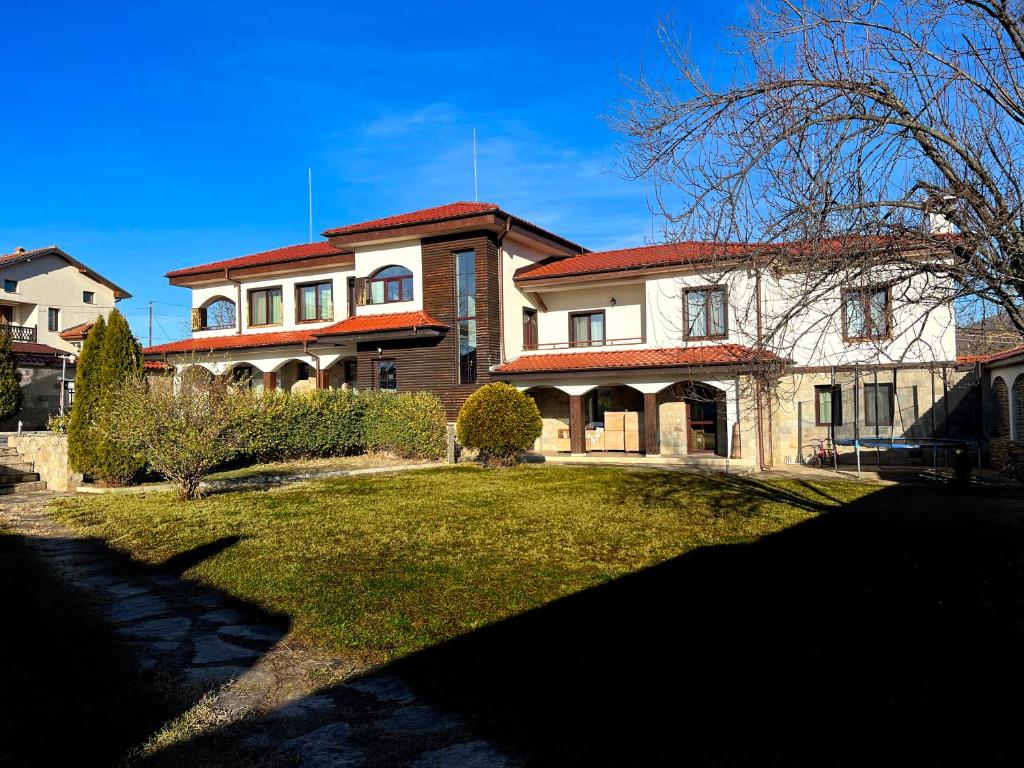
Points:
[[644, 350], [47, 302]]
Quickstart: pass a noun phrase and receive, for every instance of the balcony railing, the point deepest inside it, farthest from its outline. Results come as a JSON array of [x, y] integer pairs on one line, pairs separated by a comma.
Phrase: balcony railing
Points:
[[25, 333], [584, 344]]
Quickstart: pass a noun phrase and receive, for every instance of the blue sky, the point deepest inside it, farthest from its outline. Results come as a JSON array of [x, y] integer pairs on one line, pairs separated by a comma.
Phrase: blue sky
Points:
[[147, 136]]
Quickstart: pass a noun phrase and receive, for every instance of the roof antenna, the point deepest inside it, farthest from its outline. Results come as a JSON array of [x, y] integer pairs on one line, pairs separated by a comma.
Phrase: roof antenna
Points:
[[310, 178], [476, 191]]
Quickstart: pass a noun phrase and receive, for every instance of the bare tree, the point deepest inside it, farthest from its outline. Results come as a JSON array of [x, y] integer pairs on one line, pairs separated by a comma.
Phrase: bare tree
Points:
[[869, 136]]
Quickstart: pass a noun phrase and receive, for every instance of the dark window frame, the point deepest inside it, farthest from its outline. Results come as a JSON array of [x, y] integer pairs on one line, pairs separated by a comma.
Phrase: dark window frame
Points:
[[870, 333], [53, 319], [874, 422], [267, 291], [835, 419], [10, 286], [708, 289], [530, 322], [467, 367], [589, 341], [88, 297], [317, 308], [387, 280], [394, 374]]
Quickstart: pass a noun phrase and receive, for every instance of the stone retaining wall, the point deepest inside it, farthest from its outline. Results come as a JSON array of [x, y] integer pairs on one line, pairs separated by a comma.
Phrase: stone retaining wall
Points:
[[48, 452]]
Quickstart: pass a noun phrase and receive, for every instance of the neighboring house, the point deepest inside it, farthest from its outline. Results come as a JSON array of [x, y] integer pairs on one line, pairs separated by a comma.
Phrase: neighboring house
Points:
[[49, 300], [1002, 378], [636, 350]]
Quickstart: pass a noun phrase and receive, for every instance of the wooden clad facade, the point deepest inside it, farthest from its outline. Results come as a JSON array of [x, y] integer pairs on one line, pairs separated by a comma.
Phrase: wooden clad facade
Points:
[[432, 362]]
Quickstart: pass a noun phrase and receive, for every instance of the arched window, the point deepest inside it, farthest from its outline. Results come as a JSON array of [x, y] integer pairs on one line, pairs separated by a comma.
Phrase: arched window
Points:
[[1001, 396], [388, 285], [216, 314]]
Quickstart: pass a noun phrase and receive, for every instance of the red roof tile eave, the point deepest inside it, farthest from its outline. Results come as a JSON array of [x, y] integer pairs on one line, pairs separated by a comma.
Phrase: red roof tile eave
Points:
[[713, 356], [288, 254]]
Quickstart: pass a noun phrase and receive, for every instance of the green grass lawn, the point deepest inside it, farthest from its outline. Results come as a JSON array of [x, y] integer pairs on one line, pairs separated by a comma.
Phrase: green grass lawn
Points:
[[389, 564]]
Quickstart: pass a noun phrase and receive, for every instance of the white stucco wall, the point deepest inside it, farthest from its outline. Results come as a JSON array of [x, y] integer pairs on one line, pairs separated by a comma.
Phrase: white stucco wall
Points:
[[515, 255], [409, 255], [49, 281], [624, 320]]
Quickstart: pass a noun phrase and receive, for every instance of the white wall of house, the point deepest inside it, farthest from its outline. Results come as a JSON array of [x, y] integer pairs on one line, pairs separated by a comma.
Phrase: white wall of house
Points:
[[515, 255], [623, 320], [402, 254], [49, 281]]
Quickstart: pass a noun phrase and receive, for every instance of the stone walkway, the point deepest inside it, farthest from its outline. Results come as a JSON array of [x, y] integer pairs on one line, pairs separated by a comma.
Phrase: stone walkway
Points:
[[246, 686]]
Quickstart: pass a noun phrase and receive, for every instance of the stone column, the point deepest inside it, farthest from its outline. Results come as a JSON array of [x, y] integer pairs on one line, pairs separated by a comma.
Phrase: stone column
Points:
[[270, 380], [652, 429], [323, 378], [577, 426]]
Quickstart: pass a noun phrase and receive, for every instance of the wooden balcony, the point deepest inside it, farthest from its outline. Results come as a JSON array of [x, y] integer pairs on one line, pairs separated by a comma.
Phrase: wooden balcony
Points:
[[24, 333]]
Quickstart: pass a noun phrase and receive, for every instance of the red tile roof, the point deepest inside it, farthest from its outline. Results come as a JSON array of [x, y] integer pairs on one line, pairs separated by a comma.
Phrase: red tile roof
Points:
[[76, 332], [278, 255], [678, 357], [155, 365], [665, 254], [991, 357], [437, 213], [231, 341], [35, 354], [393, 321]]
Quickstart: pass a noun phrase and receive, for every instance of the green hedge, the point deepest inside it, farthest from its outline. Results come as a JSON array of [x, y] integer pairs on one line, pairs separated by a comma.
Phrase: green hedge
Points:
[[501, 422], [334, 422]]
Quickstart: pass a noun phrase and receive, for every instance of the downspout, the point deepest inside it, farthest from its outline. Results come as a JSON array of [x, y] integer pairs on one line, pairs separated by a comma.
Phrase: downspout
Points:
[[306, 351], [238, 299], [501, 291]]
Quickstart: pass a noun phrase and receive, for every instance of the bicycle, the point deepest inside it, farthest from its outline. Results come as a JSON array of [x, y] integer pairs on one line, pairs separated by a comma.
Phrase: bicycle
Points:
[[823, 454]]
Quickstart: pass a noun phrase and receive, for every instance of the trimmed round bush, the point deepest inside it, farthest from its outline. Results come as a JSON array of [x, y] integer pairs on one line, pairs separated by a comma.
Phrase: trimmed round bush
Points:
[[501, 422]]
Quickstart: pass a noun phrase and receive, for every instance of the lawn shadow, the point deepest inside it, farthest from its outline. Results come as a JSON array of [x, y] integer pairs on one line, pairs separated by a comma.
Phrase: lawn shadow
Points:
[[94, 672], [886, 632]]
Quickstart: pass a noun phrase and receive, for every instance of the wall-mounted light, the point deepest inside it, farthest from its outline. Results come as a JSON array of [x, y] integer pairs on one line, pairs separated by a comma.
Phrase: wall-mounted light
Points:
[[612, 301]]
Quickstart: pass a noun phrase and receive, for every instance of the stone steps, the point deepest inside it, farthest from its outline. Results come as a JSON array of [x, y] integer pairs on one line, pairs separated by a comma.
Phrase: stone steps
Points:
[[15, 467], [16, 475], [28, 487]]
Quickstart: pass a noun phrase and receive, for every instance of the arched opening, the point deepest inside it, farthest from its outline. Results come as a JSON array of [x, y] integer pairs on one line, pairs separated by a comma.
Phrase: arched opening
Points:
[[217, 313], [1001, 398], [1018, 408], [389, 285], [692, 415], [195, 376], [245, 376], [296, 376], [343, 374]]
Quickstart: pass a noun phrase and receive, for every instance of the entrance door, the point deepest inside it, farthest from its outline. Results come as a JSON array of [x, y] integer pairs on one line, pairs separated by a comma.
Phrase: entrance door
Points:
[[702, 425]]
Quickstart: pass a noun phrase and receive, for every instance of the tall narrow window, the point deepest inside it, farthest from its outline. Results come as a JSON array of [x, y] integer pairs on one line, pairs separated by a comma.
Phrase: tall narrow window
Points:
[[314, 302], [529, 328], [53, 319], [586, 329], [353, 297], [866, 313], [828, 405], [878, 405], [465, 308], [387, 375], [265, 306], [704, 313]]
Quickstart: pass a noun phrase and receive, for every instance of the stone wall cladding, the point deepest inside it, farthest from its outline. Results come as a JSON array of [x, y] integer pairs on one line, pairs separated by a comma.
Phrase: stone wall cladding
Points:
[[40, 388], [1001, 409], [1018, 406], [48, 452]]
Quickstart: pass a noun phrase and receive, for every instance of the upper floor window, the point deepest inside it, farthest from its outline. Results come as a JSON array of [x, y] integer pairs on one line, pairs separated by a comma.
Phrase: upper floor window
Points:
[[53, 320], [529, 328], [314, 301], [704, 313], [388, 285], [11, 286], [866, 313], [586, 329], [88, 297], [265, 306], [216, 315], [465, 307]]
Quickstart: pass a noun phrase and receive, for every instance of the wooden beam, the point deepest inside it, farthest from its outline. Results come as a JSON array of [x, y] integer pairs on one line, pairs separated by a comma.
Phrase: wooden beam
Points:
[[652, 430], [577, 426], [270, 380], [323, 378]]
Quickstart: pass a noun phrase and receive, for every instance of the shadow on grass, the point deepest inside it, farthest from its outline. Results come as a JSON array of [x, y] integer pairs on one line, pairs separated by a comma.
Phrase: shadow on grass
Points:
[[69, 683], [887, 632]]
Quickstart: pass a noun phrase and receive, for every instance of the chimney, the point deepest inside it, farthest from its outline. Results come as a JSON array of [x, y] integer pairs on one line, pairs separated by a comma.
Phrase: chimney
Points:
[[20, 249], [935, 220]]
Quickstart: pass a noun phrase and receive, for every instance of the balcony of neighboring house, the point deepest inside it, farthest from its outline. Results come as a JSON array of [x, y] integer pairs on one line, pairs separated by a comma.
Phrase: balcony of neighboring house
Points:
[[23, 333]]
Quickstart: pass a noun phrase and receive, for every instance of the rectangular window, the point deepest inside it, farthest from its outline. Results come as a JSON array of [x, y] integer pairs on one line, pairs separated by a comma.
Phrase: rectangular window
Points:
[[704, 313], [11, 286], [586, 329], [387, 375], [878, 405], [88, 297], [53, 319], [265, 306], [314, 302], [465, 308], [529, 328], [828, 405], [866, 314]]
